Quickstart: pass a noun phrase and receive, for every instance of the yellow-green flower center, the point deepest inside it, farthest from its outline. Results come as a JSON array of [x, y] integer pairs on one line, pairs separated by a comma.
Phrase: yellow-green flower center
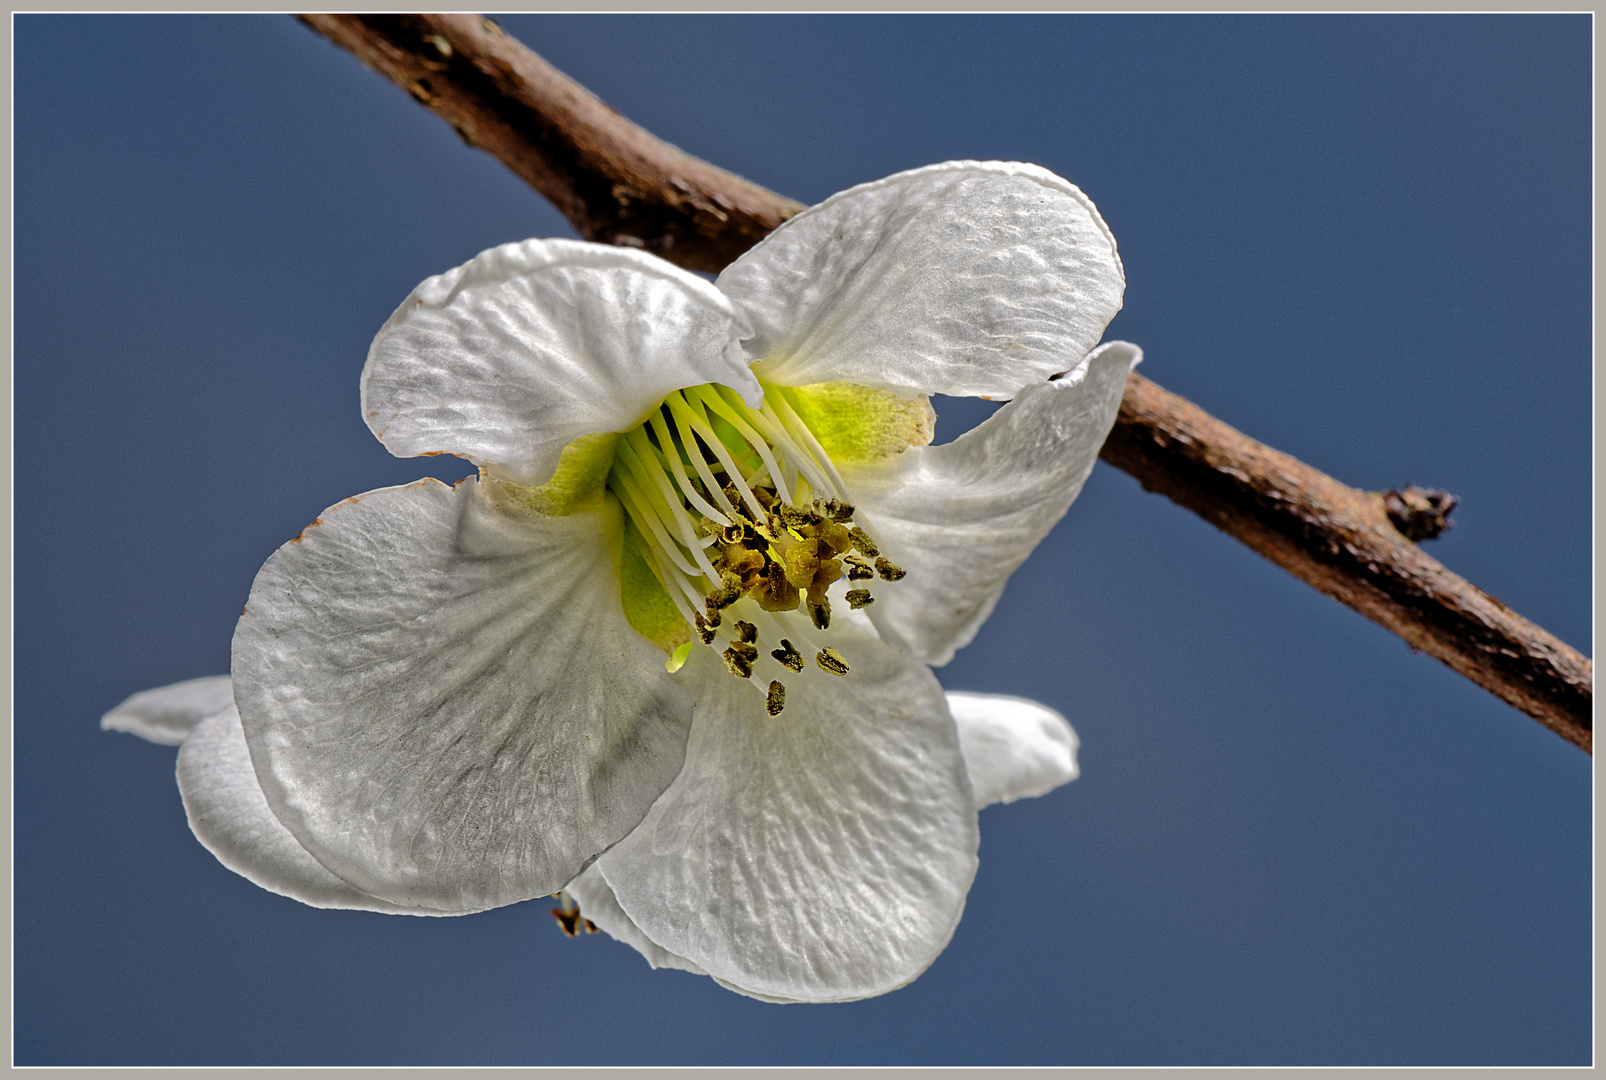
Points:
[[737, 523]]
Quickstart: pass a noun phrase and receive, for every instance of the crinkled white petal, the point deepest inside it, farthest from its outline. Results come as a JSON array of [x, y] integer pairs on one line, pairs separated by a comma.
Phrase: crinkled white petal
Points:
[[820, 855], [167, 714], [229, 815], [443, 699], [1014, 748], [597, 903], [961, 516], [966, 278], [508, 358]]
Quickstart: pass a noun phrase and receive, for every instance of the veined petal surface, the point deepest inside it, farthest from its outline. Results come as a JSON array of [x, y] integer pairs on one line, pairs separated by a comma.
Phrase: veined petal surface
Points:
[[820, 855], [967, 278], [443, 699], [961, 516], [510, 357], [231, 818], [597, 903], [1014, 748], [168, 714]]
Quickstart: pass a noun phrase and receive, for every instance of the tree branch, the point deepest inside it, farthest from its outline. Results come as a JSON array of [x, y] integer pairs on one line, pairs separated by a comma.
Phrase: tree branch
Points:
[[619, 184]]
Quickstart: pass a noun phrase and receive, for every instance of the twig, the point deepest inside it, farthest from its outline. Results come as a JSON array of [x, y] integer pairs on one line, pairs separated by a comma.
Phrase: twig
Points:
[[615, 182], [619, 184], [1342, 541]]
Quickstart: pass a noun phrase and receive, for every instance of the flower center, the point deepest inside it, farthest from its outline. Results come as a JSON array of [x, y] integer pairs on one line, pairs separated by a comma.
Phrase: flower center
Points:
[[744, 522]]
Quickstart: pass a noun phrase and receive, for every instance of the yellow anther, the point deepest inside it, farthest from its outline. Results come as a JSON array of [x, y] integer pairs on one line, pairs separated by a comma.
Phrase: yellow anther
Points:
[[835, 537], [833, 509], [746, 632], [788, 655], [802, 562], [889, 571], [859, 569], [832, 661], [858, 598], [862, 541], [705, 629], [820, 612], [773, 592], [775, 700], [729, 591], [739, 658]]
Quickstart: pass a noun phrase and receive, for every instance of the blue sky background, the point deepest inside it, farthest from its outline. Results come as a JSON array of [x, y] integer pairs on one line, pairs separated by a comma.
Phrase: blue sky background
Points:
[[1365, 241]]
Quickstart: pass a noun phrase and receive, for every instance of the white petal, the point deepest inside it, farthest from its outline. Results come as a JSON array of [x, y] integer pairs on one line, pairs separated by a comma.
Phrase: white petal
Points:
[[443, 699], [597, 903], [960, 517], [167, 714], [820, 855], [1014, 748], [229, 815], [967, 278], [508, 358]]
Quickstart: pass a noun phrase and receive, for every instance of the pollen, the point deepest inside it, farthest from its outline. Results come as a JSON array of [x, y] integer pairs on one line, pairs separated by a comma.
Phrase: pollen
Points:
[[739, 658], [775, 700], [858, 598], [788, 656], [889, 570], [746, 632], [832, 661]]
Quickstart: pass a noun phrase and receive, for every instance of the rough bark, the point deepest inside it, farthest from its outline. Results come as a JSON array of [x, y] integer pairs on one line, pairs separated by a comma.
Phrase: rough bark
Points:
[[619, 184], [1343, 541], [615, 182]]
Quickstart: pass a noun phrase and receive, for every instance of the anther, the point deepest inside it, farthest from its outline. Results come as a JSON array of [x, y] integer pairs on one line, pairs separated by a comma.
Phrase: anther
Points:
[[833, 509], [820, 612], [739, 658], [775, 700], [746, 632], [730, 591], [832, 661], [862, 541], [858, 569], [889, 571], [788, 655], [858, 598], [705, 629]]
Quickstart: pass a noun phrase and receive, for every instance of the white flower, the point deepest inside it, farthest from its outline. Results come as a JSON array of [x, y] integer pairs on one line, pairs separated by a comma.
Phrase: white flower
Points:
[[669, 648]]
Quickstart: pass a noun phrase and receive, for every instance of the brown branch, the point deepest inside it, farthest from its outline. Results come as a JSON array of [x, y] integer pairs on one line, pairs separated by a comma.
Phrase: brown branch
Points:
[[617, 183], [1343, 542]]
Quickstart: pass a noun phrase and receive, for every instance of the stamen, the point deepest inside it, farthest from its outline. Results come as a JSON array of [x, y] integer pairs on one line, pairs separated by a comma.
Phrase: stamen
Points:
[[800, 457], [858, 598], [858, 569], [889, 570], [739, 658], [783, 409], [832, 661], [705, 631], [820, 612], [862, 541], [746, 632], [775, 700], [678, 405], [642, 464], [788, 656], [642, 504], [667, 443], [693, 445]]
